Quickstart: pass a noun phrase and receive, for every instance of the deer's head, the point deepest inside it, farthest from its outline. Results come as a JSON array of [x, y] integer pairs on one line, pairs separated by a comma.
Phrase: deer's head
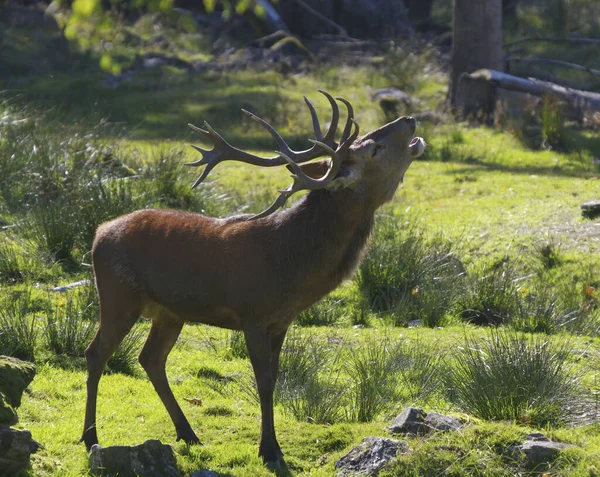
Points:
[[373, 165]]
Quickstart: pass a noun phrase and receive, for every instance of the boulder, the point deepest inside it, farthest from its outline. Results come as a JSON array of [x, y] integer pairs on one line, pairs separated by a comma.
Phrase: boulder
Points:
[[15, 376], [15, 448], [538, 451], [149, 459], [415, 421], [370, 456]]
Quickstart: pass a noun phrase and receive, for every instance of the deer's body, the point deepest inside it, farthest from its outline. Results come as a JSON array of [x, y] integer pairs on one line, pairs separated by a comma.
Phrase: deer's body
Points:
[[248, 273], [297, 256]]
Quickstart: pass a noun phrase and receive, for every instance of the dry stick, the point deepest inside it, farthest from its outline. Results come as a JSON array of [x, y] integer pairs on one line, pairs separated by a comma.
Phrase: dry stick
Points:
[[565, 64], [591, 41], [323, 18]]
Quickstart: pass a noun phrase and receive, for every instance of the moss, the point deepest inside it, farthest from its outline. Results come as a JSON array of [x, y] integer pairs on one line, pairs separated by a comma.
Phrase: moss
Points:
[[15, 376]]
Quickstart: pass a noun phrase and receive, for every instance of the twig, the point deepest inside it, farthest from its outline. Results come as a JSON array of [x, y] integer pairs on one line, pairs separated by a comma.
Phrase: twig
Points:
[[564, 64], [323, 18], [592, 41]]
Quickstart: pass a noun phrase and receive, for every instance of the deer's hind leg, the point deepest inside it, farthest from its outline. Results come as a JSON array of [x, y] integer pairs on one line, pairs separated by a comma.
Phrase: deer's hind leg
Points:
[[119, 311], [153, 358]]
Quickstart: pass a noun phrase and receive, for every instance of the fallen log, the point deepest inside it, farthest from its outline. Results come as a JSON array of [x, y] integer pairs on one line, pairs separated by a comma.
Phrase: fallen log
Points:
[[478, 91]]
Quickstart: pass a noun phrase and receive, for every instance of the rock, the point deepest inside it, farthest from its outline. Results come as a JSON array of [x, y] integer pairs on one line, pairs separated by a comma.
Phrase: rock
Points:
[[15, 376], [206, 473], [8, 416], [370, 456], [538, 451], [415, 421], [149, 459], [15, 448], [591, 210]]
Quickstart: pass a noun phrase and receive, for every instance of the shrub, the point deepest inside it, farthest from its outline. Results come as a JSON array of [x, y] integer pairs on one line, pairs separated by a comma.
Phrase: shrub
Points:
[[18, 328], [513, 376]]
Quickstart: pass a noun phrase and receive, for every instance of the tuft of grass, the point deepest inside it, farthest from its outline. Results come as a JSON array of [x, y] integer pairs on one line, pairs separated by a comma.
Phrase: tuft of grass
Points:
[[513, 376], [491, 298], [236, 345], [67, 332], [18, 326], [11, 263], [308, 386], [409, 275], [371, 370], [125, 358], [327, 312]]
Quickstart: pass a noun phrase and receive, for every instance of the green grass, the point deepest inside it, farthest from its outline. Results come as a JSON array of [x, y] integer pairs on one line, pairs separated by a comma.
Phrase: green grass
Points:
[[480, 203]]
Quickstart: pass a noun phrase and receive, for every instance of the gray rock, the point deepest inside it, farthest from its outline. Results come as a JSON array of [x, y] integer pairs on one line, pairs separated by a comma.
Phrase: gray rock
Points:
[[591, 209], [538, 451], [149, 459], [206, 473], [415, 421], [15, 448], [370, 456]]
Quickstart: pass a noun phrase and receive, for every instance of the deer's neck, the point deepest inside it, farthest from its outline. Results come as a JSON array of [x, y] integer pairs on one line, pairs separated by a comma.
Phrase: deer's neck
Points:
[[325, 234]]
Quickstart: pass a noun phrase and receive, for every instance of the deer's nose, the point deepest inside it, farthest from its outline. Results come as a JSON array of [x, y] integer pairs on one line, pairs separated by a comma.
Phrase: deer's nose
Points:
[[412, 123]]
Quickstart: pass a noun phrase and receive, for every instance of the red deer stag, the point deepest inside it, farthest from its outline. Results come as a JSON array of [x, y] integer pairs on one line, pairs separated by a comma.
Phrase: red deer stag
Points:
[[248, 273]]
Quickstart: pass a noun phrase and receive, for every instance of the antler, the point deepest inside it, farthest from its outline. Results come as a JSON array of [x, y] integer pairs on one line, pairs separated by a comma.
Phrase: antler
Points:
[[322, 145]]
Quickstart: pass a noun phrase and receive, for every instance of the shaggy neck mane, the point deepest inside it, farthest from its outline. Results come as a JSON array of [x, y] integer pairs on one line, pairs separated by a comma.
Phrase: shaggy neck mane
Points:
[[324, 235]]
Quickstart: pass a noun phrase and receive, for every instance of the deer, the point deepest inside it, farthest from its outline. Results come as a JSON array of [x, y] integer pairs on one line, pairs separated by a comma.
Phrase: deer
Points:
[[252, 273]]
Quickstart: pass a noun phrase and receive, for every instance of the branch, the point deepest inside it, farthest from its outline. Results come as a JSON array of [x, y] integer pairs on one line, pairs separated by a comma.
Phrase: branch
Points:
[[564, 64], [323, 18], [591, 41]]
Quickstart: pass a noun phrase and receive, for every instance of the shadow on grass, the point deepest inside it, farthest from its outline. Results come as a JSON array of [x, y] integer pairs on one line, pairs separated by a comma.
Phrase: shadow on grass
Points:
[[159, 106]]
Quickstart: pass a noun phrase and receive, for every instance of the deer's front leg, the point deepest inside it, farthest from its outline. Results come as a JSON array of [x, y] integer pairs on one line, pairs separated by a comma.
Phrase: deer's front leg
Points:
[[258, 341]]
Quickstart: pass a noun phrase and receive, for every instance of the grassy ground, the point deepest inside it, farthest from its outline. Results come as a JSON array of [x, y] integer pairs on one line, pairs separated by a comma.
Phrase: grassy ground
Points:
[[487, 229]]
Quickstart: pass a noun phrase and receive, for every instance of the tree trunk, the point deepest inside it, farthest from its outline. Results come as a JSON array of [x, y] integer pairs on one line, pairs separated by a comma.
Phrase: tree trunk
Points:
[[477, 42]]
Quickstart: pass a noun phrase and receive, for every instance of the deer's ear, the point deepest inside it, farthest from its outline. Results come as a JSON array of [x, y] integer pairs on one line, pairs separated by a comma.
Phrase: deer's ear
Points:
[[314, 169], [347, 178]]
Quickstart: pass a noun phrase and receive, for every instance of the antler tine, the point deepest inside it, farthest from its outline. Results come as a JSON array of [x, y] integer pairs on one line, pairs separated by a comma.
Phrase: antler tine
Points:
[[302, 181], [349, 121], [335, 116], [315, 119], [345, 146]]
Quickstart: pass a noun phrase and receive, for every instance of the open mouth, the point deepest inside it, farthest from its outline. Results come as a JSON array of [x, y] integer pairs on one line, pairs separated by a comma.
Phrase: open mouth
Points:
[[416, 146]]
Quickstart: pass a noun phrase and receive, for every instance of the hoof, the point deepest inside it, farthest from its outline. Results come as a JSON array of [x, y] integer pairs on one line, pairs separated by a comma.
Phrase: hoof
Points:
[[190, 440], [273, 465]]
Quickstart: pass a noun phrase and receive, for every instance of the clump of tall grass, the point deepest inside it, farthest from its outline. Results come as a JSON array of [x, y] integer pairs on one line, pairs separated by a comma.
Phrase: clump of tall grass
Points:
[[514, 376], [372, 374], [67, 332], [492, 295], [309, 386], [236, 345], [408, 274], [12, 269], [18, 326], [125, 358], [327, 312]]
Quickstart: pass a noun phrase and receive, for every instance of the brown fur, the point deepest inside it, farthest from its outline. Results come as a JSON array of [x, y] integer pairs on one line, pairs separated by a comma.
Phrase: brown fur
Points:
[[250, 275]]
